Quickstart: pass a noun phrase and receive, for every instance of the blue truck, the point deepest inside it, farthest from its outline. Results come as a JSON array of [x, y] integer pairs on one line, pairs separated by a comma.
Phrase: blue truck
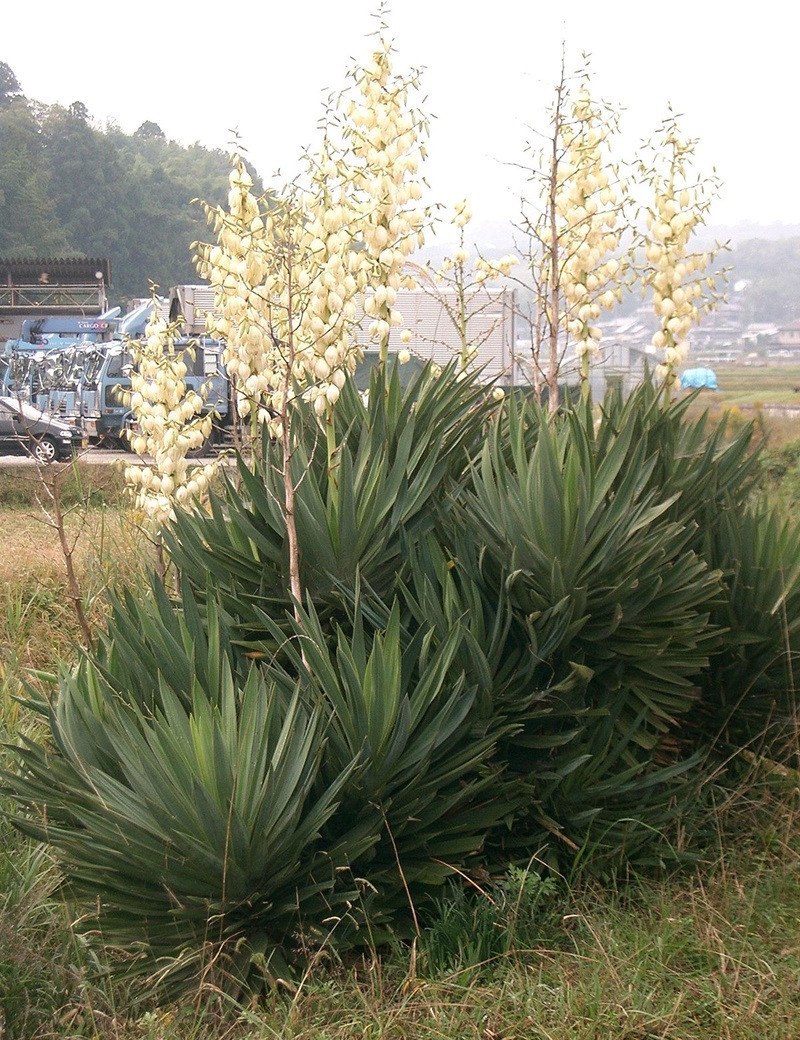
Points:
[[105, 417], [76, 369], [57, 362], [42, 356]]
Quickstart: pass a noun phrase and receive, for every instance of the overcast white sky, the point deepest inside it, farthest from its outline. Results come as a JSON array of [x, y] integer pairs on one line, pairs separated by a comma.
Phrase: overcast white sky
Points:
[[199, 69]]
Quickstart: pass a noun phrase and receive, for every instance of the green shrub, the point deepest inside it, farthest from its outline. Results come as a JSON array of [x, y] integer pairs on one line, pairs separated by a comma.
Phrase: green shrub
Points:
[[519, 638], [750, 691], [182, 797], [422, 790], [618, 619], [261, 795]]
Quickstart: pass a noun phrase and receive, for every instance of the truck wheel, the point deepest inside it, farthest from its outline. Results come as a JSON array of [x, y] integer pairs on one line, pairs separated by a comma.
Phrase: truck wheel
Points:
[[45, 450]]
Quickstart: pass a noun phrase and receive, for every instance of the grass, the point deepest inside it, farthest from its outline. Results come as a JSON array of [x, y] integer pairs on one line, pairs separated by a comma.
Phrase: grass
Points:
[[759, 393], [776, 384], [100, 483], [714, 956], [709, 955], [38, 624]]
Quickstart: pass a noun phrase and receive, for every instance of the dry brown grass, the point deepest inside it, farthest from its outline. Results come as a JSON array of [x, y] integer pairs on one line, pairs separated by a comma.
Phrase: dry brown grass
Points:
[[38, 623], [30, 545]]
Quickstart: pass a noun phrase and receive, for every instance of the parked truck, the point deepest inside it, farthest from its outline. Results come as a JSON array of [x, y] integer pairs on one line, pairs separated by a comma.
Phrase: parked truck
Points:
[[56, 361], [81, 379], [105, 416], [33, 359]]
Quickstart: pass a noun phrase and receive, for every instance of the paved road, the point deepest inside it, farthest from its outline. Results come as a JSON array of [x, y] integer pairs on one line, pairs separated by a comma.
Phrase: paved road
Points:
[[92, 456]]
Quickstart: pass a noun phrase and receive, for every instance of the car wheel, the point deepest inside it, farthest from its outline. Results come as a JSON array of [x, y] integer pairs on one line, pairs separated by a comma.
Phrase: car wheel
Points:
[[45, 450]]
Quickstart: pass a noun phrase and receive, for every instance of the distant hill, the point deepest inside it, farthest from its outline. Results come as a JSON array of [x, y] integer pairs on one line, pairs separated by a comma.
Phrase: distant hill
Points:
[[764, 261], [745, 231], [68, 187]]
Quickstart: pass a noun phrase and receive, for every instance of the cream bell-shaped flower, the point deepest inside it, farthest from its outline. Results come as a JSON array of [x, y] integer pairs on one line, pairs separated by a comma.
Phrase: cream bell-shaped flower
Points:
[[167, 421], [289, 270], [386, 151], [587, 213], [677, 277], [296, 326]]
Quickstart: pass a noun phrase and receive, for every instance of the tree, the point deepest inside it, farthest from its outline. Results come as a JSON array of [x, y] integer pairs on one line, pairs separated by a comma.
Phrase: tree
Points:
[[79, 111], [149, 130], [9, 85], [29, 220], [128, 197]]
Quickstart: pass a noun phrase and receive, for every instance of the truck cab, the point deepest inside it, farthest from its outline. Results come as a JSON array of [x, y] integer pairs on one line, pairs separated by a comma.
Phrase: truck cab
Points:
[[106, 416]]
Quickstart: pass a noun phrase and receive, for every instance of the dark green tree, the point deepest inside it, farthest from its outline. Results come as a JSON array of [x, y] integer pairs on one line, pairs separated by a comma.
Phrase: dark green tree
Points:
[[149, 129], [29, 224], [9, 84]]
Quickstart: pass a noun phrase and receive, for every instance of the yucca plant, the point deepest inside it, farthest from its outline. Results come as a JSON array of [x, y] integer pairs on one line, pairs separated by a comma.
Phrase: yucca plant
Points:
[[424, 787], [226, 815], [588, 550], [399, 459], [748, 694], [182, 796], [750, 690], [692, 464], [506, 630], [185, 742], [613, 597]]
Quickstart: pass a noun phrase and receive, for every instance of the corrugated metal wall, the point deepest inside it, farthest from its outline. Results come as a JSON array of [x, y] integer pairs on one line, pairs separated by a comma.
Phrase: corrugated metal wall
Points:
[[431, 318], [432, 321]]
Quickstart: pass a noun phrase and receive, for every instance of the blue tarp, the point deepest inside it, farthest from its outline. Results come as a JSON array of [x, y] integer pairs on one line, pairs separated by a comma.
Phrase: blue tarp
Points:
[[698, 378]]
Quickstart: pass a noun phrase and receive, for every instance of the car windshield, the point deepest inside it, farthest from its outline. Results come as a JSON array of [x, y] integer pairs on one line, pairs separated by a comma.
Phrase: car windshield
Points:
[[11, 404]]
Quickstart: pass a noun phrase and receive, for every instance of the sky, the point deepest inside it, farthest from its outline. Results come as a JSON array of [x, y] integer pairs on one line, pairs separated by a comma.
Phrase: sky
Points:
[[202, 70]]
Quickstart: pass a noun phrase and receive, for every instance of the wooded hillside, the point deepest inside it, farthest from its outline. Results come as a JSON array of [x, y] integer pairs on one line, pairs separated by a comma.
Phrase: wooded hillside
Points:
[[68, 187]]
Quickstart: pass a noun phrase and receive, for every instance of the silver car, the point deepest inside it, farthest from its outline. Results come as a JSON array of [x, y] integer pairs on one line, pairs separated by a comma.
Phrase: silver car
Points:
[[39, 434]]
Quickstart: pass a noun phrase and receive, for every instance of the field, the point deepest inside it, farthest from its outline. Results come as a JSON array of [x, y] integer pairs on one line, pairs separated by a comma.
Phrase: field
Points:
[[709, 953], [769, 396], [756, 386]]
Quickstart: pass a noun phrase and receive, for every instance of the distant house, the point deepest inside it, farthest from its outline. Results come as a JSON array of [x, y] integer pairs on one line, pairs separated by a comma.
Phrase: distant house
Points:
[[430, 316], [785, 347], [624, 350], [620, 363], [432, 319], [759, 336], [788, 335]]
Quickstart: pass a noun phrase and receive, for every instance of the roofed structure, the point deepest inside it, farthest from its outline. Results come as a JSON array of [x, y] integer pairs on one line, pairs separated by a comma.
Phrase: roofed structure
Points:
[[51, 286]]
